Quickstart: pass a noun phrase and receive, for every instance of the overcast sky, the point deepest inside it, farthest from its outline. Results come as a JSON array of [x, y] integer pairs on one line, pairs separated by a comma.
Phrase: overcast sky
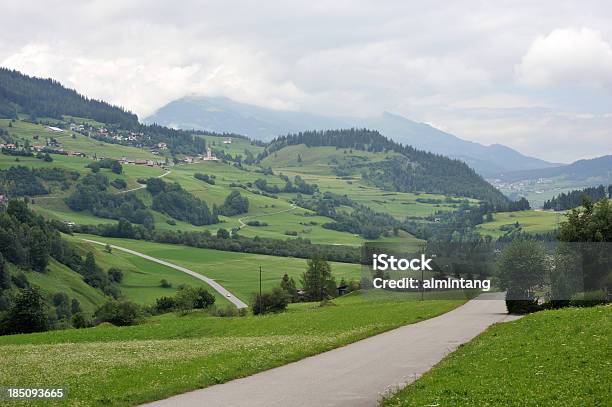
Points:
[[535, 77]]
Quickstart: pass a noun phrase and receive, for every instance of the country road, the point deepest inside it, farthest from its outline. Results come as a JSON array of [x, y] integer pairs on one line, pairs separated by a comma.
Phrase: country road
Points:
[[357, 374], [218, 287]]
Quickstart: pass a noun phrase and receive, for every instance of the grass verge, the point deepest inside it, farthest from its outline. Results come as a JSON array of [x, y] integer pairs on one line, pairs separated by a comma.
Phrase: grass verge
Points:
[[171, 354], [550, 358]]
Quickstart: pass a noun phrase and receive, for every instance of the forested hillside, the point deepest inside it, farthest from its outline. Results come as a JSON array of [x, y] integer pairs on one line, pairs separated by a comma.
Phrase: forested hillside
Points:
[[410, 171], [574, 199], [38, 97]]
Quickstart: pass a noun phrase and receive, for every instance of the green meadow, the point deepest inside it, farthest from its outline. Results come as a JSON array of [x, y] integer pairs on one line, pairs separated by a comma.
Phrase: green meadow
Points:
[[550, 358], [79, 143], [238, 272], [529, 221], [173, 354]]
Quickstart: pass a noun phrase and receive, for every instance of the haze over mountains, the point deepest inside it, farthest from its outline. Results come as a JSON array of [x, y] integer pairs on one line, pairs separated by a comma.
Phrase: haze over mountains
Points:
[[221, 114]]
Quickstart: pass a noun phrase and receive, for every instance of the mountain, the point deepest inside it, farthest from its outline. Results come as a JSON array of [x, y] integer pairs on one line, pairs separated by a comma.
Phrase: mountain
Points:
[[592, 171], [39, 97], [409, 170], [221, 114]]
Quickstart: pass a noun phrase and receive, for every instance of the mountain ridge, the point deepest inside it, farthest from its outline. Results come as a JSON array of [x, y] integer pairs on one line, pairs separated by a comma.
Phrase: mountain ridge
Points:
[[221, 114]]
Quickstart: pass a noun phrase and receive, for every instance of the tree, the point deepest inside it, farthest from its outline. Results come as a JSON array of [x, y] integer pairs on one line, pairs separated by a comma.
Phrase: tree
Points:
[[62, 305], [39, 249], [317, 281], [522, 268], [119, 313], [28, 313], [288, 285], [590, 231], [5, 278], [223, 234], [108, 248], [75, 306], [234, 204], [115, 275], [268, 302]]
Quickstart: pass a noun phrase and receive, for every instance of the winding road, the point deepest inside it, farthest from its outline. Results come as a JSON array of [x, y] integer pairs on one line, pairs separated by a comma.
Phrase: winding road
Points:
[[216, 286], [358, 374]]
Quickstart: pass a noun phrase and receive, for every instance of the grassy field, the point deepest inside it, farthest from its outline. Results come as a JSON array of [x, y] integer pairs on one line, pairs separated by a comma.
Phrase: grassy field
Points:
[[173, 354], [529, 221], [235, 148], [59, 278], [79, 143], [550, 358], [238, 272]]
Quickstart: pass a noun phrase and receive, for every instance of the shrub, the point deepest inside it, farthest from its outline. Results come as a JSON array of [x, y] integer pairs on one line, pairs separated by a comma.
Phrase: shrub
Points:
[[270, 302], [80, 321], [188, 298], [115, 275], [521, 302], [119, 183], [589, 299], [256, 223], [227, 311], [119, 313], [164, 304], [165, 283]]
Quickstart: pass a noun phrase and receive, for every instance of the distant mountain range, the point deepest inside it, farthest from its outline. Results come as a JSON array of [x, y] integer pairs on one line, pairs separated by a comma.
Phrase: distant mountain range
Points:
[[593, 171], [220, 114]]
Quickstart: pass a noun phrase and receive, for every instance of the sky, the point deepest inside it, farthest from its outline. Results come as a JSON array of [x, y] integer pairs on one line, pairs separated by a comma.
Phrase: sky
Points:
[[536, 76]]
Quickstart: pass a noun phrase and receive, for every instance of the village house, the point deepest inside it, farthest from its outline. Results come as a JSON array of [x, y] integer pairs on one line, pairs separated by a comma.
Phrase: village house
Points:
[[227, 140]]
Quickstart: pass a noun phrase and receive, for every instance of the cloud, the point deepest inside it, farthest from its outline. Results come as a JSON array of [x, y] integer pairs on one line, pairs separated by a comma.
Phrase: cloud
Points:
[[441, 62], [567, 57]]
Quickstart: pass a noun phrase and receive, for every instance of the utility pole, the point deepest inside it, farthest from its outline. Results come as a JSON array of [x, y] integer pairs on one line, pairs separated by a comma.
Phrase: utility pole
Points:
[[422, 286], [260, 298]]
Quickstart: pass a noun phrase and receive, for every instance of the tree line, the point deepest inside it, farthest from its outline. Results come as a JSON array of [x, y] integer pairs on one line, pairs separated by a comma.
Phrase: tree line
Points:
[[573, 199]]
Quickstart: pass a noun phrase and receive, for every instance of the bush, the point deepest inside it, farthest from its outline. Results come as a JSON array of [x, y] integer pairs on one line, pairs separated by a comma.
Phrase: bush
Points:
[[163, 283], [589, 299], [256, 223], [115, 275], [164, 304], [119, 183], [188, 298], [80, 321], [227, 311], [270, 302], [120, 313], [521, 302]]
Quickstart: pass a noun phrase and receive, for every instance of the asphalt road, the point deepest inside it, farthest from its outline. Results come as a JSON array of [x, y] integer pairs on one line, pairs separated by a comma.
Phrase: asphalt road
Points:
[[357, 374], [218, 287]]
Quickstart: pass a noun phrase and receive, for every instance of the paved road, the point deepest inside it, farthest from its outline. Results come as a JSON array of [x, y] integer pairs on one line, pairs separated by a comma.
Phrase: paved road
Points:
[[357, 374], [218, 287]]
